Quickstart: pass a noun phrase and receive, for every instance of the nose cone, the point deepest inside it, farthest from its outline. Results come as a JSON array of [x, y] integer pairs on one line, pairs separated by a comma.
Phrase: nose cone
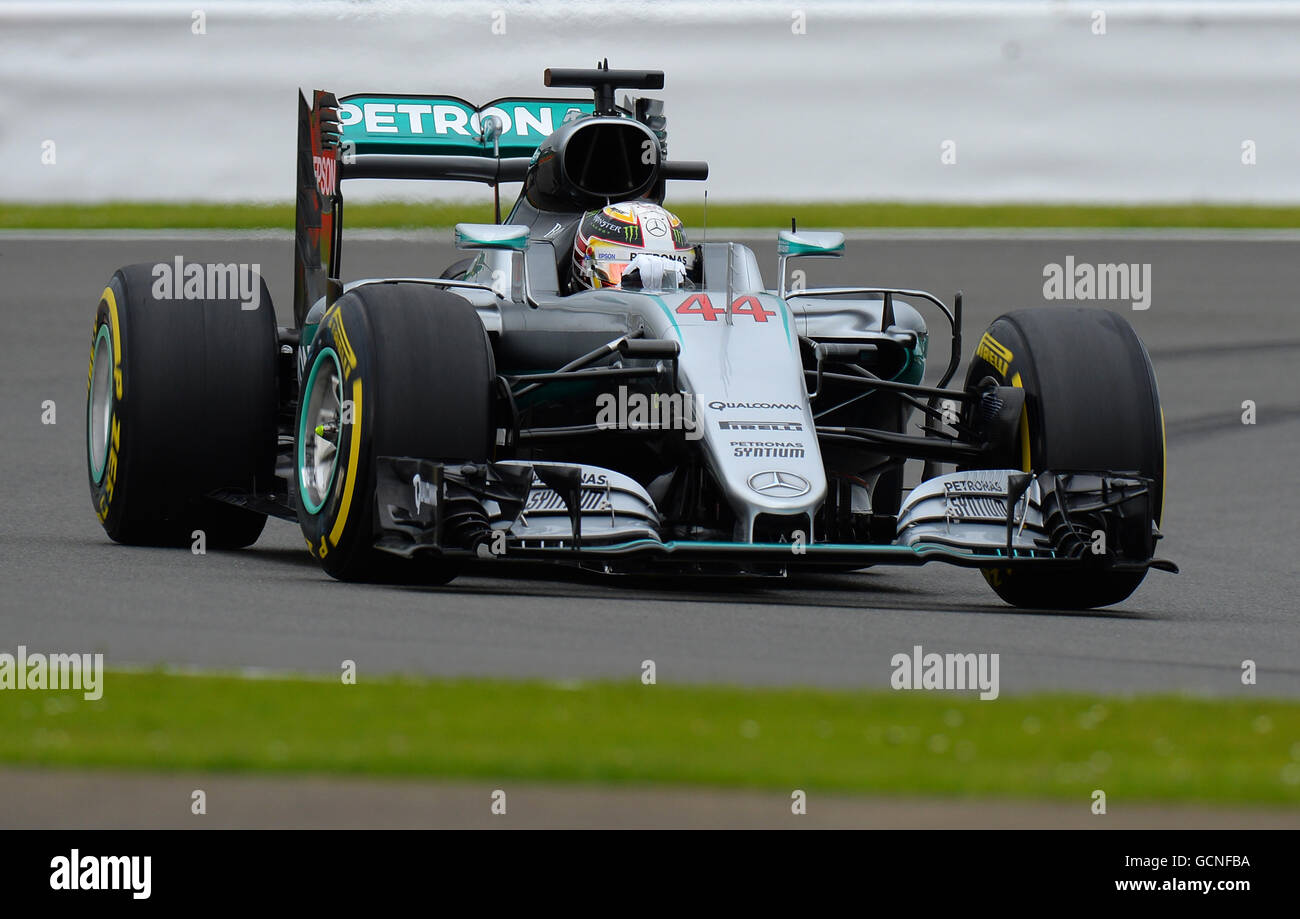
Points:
[[757, 431]]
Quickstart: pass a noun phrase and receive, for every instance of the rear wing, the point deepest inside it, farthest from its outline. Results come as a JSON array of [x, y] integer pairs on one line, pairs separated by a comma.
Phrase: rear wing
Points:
[[444, 137], [393, 136], [396, 136], [447, 125]]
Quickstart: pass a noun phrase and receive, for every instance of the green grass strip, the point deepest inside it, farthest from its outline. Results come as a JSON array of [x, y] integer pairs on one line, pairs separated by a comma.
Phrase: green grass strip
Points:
[[1156, 748], [847, 215]]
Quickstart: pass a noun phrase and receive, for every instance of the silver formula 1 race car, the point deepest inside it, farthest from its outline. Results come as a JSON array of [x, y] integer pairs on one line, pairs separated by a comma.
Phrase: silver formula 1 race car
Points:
[[589, 387]]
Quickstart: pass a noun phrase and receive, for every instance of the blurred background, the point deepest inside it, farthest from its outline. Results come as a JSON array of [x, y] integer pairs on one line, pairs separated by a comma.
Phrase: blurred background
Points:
[[1124, 101]]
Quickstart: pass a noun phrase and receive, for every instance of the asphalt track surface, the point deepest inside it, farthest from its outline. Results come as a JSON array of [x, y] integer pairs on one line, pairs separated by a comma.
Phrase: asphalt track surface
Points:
[[1222, 328], [80, 799]]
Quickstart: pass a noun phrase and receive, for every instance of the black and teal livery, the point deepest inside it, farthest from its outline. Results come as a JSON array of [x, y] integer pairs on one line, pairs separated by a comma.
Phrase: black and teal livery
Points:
[[719, 424]]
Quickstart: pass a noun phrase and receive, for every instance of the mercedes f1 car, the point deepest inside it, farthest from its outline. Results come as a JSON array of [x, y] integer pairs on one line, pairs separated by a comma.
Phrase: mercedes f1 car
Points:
[[681, 417]]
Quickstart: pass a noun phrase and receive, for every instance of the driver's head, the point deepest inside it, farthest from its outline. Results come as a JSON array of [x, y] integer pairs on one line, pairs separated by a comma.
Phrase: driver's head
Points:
[[609, 239]]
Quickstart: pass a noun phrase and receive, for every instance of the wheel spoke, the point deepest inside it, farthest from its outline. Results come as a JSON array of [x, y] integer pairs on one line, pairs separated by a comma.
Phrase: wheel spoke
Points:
[[325, 450]]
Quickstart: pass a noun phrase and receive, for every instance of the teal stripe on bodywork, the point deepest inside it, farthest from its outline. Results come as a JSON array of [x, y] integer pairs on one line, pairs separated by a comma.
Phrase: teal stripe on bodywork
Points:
[[906, 364], [920, 548], [707, 544], [669, 313], [785, 319], [812, 548], [914, 369]]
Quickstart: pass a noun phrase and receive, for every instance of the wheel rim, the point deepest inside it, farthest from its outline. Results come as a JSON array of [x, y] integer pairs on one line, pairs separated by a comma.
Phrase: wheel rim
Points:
[[99, 407], [320, 431]]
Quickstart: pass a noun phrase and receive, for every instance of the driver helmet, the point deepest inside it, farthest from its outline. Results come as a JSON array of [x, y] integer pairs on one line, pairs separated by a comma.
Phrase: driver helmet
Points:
[[610, 239]]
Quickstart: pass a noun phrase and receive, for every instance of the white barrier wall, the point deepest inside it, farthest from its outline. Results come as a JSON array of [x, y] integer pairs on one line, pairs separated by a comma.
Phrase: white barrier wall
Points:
[[944, 101]]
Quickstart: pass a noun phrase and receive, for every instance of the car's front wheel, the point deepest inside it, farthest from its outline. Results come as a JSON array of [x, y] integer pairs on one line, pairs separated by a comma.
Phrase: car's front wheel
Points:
[[1091, 404], [395, 369]]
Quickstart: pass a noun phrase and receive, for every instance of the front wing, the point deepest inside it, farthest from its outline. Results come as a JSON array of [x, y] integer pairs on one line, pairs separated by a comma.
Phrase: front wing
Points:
[[567, 512]]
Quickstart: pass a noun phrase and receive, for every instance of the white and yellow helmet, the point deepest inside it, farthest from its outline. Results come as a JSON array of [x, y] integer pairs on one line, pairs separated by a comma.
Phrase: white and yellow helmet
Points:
[[609, 240]]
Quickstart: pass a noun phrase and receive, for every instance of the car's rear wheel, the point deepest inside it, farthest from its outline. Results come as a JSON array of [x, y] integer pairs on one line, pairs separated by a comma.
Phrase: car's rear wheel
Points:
[[1091, 404], [180, 403], [396, 369]]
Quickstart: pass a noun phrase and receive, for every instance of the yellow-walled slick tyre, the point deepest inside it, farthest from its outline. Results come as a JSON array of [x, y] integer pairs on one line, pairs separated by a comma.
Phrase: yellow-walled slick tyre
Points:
[[180, 402], [1091, 403], [395, 369]]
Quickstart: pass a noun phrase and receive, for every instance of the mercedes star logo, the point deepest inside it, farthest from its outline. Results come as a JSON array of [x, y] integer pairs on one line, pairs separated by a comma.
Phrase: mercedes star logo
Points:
[[655, 226], [779, 484]]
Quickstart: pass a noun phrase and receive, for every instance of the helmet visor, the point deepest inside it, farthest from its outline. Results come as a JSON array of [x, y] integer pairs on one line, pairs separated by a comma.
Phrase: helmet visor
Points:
[[607, 262]]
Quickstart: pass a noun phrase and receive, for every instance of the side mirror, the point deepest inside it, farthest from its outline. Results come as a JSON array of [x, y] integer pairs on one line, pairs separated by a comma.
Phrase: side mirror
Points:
[[822, 244], [794, 244], [510, 237]]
